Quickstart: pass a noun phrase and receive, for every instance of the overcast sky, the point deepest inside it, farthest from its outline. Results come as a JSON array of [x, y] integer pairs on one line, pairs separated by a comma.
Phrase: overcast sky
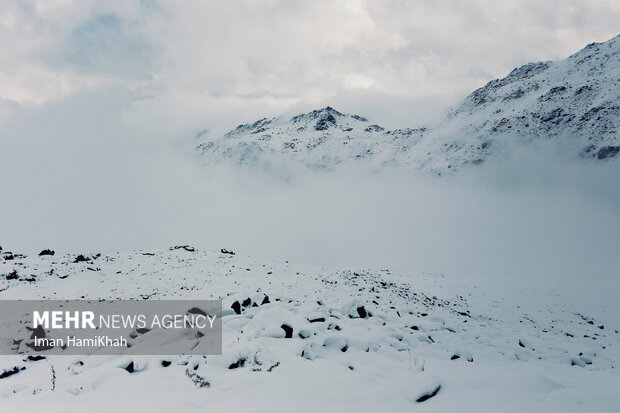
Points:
[[218, 63]]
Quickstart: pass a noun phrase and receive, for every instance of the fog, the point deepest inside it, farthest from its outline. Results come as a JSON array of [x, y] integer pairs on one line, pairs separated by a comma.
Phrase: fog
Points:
[[102, 181]]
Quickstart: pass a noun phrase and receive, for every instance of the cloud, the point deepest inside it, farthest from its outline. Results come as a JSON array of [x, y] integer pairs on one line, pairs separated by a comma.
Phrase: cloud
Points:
[[100, 172], [108, 44], [275, 56]]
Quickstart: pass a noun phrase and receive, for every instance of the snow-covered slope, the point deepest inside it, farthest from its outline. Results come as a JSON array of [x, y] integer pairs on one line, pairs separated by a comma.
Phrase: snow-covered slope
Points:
[[360, 340], [319, 139], [574, 103]]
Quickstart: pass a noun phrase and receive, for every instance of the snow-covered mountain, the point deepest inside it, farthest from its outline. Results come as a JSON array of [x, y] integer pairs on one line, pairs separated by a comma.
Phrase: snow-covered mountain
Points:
[[319, 139], [574, 102]]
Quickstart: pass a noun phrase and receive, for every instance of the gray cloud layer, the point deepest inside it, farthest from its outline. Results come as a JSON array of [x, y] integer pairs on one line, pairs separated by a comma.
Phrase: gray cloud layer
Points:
[[396, 61]]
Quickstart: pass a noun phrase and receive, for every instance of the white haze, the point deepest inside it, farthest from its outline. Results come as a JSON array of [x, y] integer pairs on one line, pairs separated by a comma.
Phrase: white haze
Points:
[[98, 182]]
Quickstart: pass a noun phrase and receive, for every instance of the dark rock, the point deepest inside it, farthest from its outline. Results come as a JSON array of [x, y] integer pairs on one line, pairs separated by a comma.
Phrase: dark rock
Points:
[[429, 395], [608, 152], [317, 320], [455, 357], [184, 247], [374, 128], [38, 332], [81, 258], [270, 369], [265, 300], [239, 363], [8, 373], [225, 251], [288, 330], [46, 252], [247, 302], [362, 312], [237, 307], [196, 310], [130, 367], [325, 122], [586, 88], [12, 275], [36, 358], [165, 363], [334, 327], [197, 379]]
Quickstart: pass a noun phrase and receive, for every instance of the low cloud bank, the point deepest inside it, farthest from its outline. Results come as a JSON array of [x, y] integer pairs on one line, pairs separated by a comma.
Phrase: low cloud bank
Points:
[[96, 184]]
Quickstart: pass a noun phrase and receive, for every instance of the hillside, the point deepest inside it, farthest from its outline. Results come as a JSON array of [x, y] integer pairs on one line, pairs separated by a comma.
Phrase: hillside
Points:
[[573, 102], [355, 340]]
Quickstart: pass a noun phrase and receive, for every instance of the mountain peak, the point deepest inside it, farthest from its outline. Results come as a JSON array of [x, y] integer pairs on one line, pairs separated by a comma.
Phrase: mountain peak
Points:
[[320, 139], [597, 50], [327, 113], [573, 101]]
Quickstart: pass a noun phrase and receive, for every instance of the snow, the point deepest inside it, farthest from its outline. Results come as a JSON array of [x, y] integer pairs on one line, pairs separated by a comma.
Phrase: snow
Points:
[[360, 340]]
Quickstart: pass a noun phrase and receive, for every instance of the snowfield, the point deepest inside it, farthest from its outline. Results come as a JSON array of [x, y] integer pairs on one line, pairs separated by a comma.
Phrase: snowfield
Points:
[[304, 338]]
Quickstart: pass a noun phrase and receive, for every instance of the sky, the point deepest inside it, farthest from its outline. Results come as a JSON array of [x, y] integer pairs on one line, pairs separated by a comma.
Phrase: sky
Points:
[[215, 64]]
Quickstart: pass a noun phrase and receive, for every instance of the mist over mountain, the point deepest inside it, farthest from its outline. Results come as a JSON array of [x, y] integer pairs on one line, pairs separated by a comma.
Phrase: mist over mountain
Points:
[[573, 103]]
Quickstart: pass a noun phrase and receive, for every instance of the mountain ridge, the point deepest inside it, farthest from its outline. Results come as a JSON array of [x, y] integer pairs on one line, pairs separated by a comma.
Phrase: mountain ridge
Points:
[[574, 101]]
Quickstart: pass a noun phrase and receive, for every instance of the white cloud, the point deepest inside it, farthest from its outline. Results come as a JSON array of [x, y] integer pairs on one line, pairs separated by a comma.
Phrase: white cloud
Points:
[[358, 81], [275, 56]]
